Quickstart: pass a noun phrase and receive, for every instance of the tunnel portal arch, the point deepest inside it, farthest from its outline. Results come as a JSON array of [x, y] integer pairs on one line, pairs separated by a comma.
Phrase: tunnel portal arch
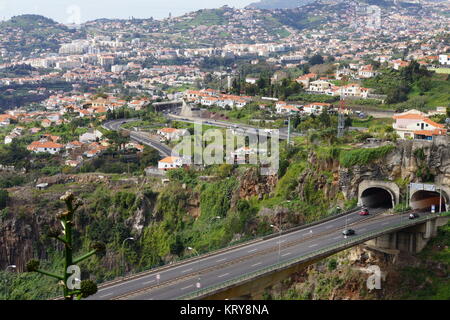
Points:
[[373, 193], [424, 199]]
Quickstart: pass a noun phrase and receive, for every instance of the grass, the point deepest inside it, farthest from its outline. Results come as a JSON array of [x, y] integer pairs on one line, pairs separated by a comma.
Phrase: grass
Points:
[[371, 121], [441, 70], [363, 156]]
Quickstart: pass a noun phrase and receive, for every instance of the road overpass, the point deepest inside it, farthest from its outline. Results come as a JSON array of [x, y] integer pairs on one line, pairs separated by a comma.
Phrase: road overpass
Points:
[[247, 269]]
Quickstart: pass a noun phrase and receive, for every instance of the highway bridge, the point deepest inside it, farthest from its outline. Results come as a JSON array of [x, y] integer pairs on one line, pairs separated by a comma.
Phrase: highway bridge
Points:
[[245, 270]]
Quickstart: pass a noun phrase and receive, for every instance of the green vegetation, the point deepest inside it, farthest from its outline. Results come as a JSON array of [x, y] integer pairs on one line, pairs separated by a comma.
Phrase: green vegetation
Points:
[[427, 285], [349, 158], [70, 286]]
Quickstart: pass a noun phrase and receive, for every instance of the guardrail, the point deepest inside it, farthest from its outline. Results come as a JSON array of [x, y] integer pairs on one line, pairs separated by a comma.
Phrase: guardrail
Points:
[[304, 258]]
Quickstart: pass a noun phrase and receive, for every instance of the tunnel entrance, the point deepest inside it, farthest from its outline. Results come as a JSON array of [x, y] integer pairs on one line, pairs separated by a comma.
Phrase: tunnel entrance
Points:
[[377, 198], [423, 200]]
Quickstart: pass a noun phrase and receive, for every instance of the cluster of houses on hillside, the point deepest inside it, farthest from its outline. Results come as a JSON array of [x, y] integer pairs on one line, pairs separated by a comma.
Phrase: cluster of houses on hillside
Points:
[[211, 97], [313, 84], [89, 145]]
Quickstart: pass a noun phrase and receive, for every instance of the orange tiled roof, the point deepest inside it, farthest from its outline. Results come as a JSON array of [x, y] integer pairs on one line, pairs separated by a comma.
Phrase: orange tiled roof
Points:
[[429, 133], [169, 159]]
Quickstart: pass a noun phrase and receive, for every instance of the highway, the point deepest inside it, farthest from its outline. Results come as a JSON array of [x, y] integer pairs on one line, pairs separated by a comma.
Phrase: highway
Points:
[[140, 137], [213, 269], [283, 132]]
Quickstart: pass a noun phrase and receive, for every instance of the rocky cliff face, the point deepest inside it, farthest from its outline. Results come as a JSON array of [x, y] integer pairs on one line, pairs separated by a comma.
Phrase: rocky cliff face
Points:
[[413, 160], [24, 223]]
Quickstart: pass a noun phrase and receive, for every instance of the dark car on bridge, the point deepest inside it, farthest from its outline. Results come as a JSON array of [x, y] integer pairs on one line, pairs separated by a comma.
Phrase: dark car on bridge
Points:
[[413, 215], [348, 232]]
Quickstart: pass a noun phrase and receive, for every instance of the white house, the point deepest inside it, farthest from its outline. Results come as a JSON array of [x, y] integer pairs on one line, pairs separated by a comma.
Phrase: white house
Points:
[[444, 59], [414, 124], [90, 136], [316, 107], [170, 163], [172, 133], [287, 109], [367, 71], [45, 146], [319, 86]]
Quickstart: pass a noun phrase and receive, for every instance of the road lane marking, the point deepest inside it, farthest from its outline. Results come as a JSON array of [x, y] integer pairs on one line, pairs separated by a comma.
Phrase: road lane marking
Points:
[[106, 295], [253, 250], [281, 241], [148, 282], [187, 287], [224, 275], [330, 226], [338, 237], [363, 229], [220, 260], [187, 270], [383, 224], [286, 254], [256, 264], [313, 245]]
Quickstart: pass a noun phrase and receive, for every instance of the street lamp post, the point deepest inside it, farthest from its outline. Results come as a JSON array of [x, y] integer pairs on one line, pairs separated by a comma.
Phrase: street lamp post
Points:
[[123, 253], [13, 266], [198, 285], [279, 241]]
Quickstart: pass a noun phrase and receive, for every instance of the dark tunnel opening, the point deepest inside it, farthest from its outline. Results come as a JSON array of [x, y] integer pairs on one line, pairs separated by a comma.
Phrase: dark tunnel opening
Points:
[[424, 200], [377, 198]]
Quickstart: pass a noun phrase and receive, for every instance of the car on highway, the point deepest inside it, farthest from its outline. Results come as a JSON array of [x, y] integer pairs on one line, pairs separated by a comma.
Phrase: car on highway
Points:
[[413, 215], [364, 212], [348, 232]]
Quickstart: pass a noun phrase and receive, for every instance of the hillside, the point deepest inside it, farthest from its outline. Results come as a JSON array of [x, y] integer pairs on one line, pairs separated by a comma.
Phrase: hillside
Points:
[[278, 4], [33, 33]]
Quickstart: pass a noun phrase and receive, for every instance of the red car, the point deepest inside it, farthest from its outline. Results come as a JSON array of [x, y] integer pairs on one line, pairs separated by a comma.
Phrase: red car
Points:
[[364, 212]]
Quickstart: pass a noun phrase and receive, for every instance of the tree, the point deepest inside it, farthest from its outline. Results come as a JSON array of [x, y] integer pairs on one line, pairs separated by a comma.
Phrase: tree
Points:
[[4, 197], [86, 287], [149, 157], [316, 59]]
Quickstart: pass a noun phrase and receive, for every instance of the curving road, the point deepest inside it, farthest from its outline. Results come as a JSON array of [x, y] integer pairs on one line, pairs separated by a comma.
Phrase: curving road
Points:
[[213, 269], [140, 137]]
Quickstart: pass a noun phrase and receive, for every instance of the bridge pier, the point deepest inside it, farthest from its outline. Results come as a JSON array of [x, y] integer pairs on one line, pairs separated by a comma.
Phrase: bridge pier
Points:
[[412, 239]]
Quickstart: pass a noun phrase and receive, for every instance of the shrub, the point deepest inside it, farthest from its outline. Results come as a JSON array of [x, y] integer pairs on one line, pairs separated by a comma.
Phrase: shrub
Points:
[[349, 158], [4, 198]]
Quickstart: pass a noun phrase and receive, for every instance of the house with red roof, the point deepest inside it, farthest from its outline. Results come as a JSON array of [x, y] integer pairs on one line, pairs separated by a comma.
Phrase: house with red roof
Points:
[[169, 163], [414, 124], [45, 146]]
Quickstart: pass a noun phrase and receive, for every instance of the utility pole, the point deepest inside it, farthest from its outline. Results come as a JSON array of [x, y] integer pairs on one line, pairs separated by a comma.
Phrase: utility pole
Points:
[[440, 195], [341, 119], [289, 131]]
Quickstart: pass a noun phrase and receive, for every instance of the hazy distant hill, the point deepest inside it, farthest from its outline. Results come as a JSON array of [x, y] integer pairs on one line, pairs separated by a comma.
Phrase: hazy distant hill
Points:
[[35, 33], [279, 4]]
